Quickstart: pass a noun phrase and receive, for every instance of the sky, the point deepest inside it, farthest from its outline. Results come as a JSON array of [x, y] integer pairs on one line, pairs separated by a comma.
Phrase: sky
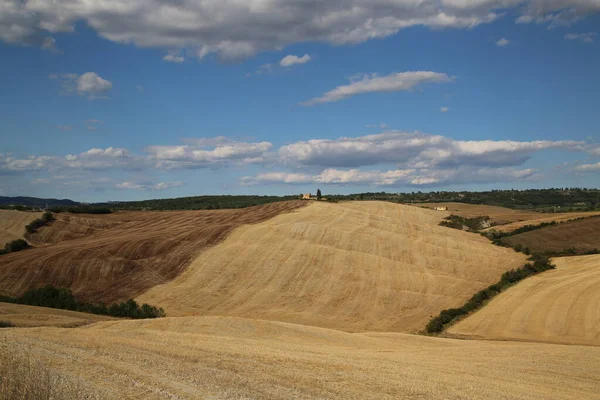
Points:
[[112, 100]]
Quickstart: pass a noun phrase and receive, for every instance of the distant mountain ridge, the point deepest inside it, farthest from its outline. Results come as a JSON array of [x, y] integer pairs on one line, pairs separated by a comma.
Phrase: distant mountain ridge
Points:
[[36, 202]]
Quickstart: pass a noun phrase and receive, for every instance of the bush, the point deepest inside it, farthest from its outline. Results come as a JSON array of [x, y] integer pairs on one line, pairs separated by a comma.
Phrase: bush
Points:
[[14, 246], [6, 324], [39, 222], [472, 224], [82, 210]]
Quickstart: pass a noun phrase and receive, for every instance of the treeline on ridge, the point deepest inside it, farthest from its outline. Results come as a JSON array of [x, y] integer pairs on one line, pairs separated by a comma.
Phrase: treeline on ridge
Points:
[[62, 298]]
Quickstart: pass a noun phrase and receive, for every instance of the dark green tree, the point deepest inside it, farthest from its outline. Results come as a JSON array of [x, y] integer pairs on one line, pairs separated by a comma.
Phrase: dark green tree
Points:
[[319, 194]]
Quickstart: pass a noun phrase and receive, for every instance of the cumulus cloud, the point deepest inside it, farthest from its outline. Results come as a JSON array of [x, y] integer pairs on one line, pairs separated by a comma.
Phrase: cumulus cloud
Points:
[[174, 59], [414, 149], [90, 84], [588, 167], [239, 29], [147, 186], [49, 44], [502, 42], [291, 60], [204, 154], [444, 109], [582, 37], [401, 81], [399, 177]]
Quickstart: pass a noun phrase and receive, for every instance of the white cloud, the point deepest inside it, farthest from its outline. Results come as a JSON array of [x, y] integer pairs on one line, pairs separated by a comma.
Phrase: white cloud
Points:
[[582, 37], [89, 84], [444, 109], [174, 58], [399, 177], [414, 149], [92, 124], [588, 167], [396, 82], [502, 42], [238, 29], [148, 186], [291, 60]]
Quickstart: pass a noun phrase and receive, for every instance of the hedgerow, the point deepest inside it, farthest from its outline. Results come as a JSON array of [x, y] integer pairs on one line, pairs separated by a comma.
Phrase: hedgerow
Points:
[[538, 265], [62, 298]]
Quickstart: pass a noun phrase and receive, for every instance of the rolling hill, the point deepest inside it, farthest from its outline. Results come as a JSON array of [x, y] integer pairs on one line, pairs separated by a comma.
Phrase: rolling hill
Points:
[[12, 224], [353, 266], [117, 256], [559, 306], [582, 235]]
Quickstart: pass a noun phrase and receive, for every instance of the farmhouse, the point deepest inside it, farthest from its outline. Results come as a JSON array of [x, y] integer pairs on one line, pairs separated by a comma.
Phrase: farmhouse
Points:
[[306, 196]]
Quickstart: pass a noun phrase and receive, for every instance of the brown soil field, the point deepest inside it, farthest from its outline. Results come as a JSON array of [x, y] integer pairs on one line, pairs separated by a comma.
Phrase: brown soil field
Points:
[[29, 316], [114, 257], [560, 306], [353, 266], [12, 224], [231, 358], [506, 219], [583, 235]]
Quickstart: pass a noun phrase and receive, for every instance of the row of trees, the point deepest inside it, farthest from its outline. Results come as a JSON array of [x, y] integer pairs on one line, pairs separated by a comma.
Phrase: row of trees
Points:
[[62, 298]]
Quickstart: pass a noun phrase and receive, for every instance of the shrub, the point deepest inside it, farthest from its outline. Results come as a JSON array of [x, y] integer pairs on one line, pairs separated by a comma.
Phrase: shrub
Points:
[[6, 324], [39, 222], [15, 245]]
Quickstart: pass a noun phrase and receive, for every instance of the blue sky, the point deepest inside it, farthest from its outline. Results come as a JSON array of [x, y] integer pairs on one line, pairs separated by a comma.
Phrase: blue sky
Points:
[[105, 101]]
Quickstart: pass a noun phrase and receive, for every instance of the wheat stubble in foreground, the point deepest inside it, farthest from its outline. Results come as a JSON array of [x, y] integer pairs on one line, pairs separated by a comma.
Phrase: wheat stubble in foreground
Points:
[[561, 306], [232, 358], [356, 266]]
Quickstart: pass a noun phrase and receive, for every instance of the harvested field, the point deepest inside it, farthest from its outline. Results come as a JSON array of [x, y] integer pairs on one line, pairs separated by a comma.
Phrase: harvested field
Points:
[[506, 219], [355, 266], [118, 256], [583, 235], [12, 224], [561, 306], [29, 316], [231, 358]]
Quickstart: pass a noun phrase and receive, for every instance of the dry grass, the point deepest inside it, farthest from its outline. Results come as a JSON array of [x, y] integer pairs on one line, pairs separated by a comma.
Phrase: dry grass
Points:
[[30, 316], [355, 266], [506, 219], [114, 257], [582, 235], [24, 378], [561, 306], [12, 224], [230, 358]]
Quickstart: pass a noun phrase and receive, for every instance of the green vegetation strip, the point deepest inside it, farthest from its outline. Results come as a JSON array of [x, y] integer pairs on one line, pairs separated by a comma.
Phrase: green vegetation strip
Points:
[[539, 264], [62, 298], [47, 217]]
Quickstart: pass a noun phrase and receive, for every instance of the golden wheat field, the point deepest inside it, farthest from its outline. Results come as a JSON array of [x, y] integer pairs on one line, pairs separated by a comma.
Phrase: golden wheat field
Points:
[[233, 358], [292, 302], [561, 306], [30, 316], [12, 224], [357, 266]]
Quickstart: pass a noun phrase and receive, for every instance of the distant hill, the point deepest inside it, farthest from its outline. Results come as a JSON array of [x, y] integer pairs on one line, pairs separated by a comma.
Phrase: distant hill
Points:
[[36, 202]]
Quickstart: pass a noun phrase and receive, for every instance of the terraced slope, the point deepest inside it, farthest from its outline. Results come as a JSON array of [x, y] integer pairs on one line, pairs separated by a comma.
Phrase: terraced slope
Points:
[[357, 266], [30, 316], [582, 235], [12, 224], [561, 306], [118, 256], [230, 358]]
